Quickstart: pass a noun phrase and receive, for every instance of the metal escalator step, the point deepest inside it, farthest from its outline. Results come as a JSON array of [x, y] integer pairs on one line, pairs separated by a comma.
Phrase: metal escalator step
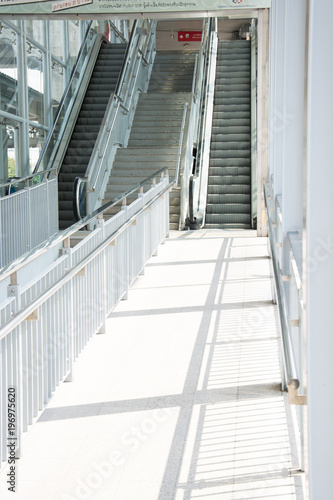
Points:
[[230, 108], [223, 128], [219, 153], [232, 138], [97, 86], [241, 87], [231, 147], [228, 226], [151, 142], [230, 162], [147, 153], [231, 118], [66, 205], [81, 133], [234, 80], [225, 180], [232, 93], [226, 100], [231, 170], [83, 151], [80, 143], [228, 219], [215, 199], [229, 208], [93, 110], [229, 189], [93, 122], [160, 135], [232, 124], [65, 191], [76, 160]]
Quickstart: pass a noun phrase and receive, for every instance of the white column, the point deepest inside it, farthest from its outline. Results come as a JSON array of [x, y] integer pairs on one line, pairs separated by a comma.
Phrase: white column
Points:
[[262, 116], [276, 111], [293, 121], [318, 249]]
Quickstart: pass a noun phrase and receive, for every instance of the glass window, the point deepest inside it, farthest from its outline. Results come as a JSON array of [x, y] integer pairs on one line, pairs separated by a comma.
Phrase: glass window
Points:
[[8, 72], [35, 30], [74, 41], [36, 141], [57, 84], [57, 39], [35, 84]]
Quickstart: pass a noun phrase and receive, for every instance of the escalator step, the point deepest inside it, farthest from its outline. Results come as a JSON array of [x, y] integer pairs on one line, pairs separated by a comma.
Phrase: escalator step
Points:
[[228, 208]]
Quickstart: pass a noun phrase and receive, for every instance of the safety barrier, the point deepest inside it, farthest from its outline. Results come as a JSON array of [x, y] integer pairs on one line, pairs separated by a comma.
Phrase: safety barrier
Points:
[[288, 293], [48, 319], [27, 217]]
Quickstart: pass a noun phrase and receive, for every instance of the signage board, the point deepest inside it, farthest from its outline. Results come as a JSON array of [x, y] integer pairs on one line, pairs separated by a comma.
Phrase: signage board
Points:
[[189, 36], [124, 7]]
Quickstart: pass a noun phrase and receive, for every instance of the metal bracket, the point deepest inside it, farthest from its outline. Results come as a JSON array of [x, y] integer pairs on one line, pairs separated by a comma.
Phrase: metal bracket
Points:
[[34, 316], [82, 271], [294, 398]]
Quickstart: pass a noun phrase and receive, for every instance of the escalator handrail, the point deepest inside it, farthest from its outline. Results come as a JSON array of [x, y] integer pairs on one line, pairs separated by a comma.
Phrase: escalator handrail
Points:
[[126, 58], [117, 32], [63, 98], [91, 174]]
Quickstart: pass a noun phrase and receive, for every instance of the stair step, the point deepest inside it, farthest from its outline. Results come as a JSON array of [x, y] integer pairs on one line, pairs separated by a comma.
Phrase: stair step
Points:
[[234, 171], [228, 208], [216, 199], [228, 219], [216, 180], [243, 148], [230, 130], [228, 226], [232, 138], [229, 189], [230, 162]]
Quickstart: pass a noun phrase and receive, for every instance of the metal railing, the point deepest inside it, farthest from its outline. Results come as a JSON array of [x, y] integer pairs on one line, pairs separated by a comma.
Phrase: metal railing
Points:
[[288, 290], [48, 318], [29, 215], [180, 144]]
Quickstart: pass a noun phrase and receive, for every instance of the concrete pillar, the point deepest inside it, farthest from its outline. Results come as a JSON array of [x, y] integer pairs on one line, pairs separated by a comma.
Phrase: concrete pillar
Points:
[[277, 105], [318, 249]]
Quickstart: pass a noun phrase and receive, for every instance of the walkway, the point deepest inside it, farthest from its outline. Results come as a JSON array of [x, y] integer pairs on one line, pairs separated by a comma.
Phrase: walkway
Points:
[[180, 399]]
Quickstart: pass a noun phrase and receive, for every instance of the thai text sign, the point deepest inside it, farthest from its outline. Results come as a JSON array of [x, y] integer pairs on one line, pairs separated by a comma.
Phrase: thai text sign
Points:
[[123, 7]]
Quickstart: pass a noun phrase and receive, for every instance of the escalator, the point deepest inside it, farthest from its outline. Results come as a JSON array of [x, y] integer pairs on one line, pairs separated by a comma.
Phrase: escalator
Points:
[[155, 133], [229, 181], [102, 85]]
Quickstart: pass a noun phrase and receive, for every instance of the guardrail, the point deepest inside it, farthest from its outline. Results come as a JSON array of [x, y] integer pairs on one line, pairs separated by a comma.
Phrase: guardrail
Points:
[[288, 290], [27, 216], [49, 316]]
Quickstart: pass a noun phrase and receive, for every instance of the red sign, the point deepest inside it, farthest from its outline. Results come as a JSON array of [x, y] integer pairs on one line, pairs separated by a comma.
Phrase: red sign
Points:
[[189, 36]]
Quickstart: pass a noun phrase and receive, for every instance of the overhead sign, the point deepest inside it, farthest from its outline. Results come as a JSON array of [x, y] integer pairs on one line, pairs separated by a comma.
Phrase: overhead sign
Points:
[[123, 7], [189, 36]]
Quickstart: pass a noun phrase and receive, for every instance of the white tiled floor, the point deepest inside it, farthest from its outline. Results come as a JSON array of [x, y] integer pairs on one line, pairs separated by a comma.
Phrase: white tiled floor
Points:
[[180, 399]]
